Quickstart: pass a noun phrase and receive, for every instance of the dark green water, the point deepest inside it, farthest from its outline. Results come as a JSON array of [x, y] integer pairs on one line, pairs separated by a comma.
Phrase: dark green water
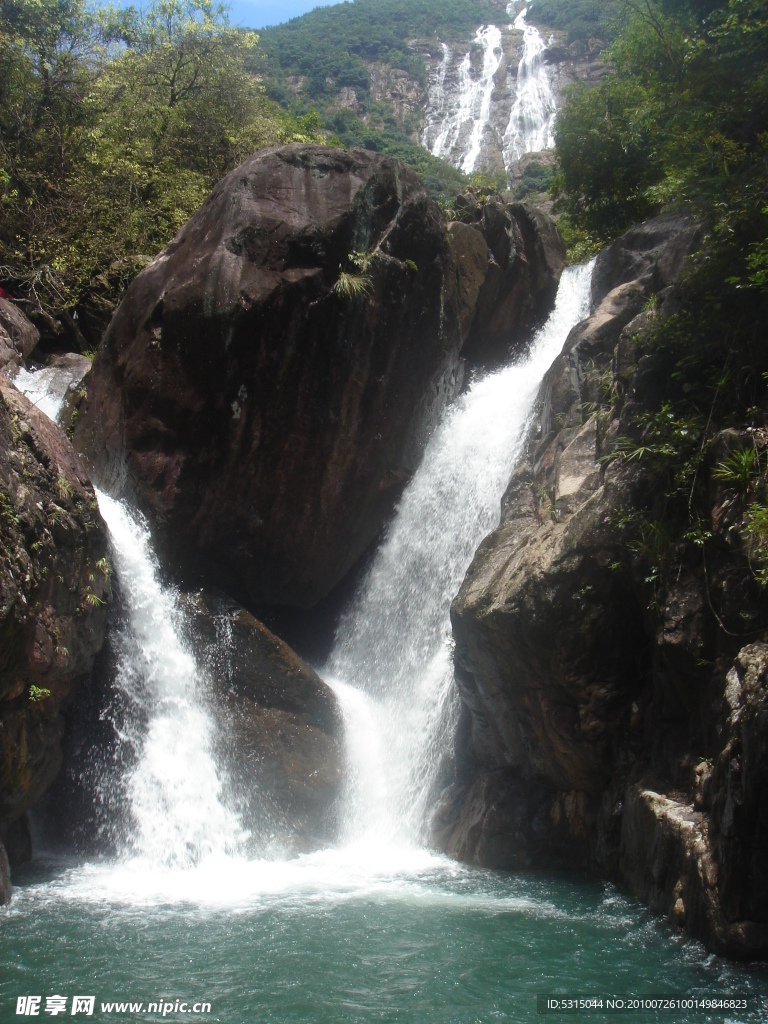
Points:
[[325, 940]]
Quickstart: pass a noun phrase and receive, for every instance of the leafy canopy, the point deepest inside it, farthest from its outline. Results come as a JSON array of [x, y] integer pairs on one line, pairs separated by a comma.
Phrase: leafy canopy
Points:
[[114, 125]]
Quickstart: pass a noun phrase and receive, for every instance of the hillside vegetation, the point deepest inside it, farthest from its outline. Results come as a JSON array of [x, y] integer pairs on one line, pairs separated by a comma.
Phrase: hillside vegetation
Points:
[[330, 45], [308, 63], [681, 125], [578, 19], [114, 126]]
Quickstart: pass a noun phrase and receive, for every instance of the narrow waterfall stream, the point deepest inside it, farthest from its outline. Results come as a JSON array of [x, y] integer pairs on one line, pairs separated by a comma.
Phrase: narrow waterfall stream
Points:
[[531, 119], [468, 109], [378, 928], [394, 642], [175, 779], [454, 128]]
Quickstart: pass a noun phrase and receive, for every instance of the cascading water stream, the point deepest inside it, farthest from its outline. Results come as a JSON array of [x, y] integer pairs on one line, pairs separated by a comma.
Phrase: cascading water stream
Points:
[[376, 928], [174, 792], [391, 666], [531, 119], [460, 100], [393, 650], [456, 134]]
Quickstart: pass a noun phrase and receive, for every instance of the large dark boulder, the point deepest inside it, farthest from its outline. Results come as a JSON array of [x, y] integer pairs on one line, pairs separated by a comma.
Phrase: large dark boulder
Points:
[[18, 336], [54, 587], [510, 257], [262, 392], [608, 725], [280, 730]]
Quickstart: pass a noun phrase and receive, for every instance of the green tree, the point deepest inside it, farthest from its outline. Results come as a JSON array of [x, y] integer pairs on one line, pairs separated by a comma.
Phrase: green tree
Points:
[[680, 122], [114, 126]]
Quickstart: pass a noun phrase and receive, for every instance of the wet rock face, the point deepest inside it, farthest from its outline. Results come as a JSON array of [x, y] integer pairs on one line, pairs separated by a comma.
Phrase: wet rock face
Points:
[[510, 257], [265, 418], [54, 588], [18, 336], [280, 728], [5, 877], [587, 714]]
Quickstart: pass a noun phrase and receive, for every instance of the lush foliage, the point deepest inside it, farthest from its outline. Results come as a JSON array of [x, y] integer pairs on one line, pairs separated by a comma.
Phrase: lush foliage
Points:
[[309, 63], [535, 179], [114, 125], [380, 130], [578, 19], [681, 126], [332, 45], [682, 121]]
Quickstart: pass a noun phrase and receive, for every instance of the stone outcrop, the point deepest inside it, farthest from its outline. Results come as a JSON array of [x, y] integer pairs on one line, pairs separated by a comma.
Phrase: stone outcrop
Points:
[[262, 392], [18, 336], [54, 588], [510, 257], [266, 383], [280, 728], [606, 724]]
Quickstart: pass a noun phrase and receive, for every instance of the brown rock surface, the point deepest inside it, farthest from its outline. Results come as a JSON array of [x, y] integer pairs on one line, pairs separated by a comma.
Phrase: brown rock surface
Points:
[[54, 588], [510, 257], [18, 337], [266, 421], [588, 709], [280, 728], [5, 878]]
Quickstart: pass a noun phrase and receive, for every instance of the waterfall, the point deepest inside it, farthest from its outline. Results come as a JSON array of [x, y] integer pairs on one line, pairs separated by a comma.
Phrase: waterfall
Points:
[[531, 119], [393, 651], [391, 666], [436, 125], [459, 123], [456, 133], [46, 388], [173, 791]]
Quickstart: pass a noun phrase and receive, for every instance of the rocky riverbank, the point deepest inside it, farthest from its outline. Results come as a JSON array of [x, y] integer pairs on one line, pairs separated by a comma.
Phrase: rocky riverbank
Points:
[[607, 725]]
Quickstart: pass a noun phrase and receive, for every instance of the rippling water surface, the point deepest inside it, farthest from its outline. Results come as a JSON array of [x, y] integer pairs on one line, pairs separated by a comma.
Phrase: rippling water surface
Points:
[[327, 938]]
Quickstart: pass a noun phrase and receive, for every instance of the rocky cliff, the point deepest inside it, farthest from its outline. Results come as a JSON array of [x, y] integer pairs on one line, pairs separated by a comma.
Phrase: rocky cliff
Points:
[[280, 730], [611, 719], [54, 590], [264, 381]]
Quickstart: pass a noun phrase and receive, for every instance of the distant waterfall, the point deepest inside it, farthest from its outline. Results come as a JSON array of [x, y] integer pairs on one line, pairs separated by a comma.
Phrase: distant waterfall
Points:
[[468, 119], [455, 126], [531, 119]]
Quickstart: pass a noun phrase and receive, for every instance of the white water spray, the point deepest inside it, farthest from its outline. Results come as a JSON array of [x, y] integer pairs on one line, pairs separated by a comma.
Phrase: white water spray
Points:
[[46, 388], [393, 649], [174, 790], [531, 119]]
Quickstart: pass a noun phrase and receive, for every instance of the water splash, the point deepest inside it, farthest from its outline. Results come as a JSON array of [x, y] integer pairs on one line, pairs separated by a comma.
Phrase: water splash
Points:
[[393, 651], [173, 791], [391, 668], [531, 119], [46, 388]]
